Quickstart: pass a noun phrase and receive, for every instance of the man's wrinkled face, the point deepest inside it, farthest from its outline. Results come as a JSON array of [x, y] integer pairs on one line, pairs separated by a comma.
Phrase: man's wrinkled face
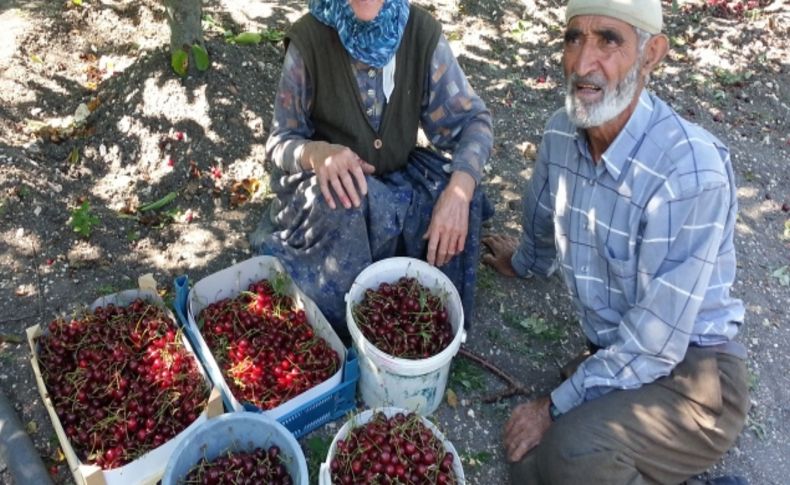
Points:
[[366, 10], [602, 69]]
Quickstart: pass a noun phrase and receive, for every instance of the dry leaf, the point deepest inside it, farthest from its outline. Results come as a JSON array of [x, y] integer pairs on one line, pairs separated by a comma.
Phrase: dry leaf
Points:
[[94, 103], [31, 427], [452, 398]]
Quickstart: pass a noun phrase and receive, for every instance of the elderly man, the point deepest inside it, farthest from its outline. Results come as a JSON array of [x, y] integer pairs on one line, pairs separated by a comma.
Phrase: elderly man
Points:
[[637, 208]]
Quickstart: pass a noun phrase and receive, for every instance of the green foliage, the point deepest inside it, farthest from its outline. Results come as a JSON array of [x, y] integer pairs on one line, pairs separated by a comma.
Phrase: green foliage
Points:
[[538, 327], [467, 375], [280, 283], [519, 30], [475, 459], [107, 289], [201, 57], [755, 427], [247, 38], [783, 275], [82, 221], [158, 204], [74, 156], [754, 381], [179, 61], [273, 35], [729, 78], [317, 448]]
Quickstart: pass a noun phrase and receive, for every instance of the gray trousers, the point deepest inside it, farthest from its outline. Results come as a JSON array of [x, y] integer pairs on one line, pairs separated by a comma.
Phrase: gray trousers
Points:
[[663, 432]]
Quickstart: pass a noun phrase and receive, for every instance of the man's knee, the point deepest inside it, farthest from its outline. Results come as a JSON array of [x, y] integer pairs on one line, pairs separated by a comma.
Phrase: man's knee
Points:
[[572, 453]]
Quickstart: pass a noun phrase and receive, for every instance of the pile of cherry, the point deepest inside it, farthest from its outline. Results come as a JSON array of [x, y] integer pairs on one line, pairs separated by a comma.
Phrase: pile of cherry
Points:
[[396, 450], [241, 468], [404, 319], [121, 381], [265, 347]]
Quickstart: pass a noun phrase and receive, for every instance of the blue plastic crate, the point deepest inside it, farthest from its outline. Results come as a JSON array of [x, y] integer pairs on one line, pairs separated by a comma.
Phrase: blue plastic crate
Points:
[[330, 406]]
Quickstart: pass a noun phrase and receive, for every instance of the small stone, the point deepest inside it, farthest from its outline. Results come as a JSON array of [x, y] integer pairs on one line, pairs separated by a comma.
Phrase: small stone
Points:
[[471, 413]]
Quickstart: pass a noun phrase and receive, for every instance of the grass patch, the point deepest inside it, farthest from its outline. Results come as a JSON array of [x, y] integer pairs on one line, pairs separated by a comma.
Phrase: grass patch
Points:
[[465, 374], [535, 326], [477, 458], [317, 448]]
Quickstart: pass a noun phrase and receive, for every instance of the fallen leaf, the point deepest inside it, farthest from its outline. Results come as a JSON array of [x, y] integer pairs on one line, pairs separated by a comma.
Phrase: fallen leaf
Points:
[[452, 398], [31, 427], [94, 103], [194, 171]]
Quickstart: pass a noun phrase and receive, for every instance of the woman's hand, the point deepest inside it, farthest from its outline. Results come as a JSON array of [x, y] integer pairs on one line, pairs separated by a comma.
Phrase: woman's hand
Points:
[[338, 167], [449, 226]]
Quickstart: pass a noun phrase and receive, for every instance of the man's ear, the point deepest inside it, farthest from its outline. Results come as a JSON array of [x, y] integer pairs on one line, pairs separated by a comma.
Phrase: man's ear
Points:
[[655, 51]]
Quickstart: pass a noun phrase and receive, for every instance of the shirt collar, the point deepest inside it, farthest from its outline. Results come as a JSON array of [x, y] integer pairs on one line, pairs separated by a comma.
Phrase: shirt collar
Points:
[[617, 155]]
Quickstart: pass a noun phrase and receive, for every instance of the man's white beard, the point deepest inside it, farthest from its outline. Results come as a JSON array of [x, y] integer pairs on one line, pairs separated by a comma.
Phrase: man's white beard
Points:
[[615, 100]]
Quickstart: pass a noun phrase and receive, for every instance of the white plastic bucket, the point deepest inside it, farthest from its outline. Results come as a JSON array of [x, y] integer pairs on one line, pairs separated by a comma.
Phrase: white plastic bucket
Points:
[[325, 474], [384, 380]]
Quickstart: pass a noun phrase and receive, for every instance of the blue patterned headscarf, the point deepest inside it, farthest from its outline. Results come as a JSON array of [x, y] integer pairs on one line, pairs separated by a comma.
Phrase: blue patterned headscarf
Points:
[[374, 42]]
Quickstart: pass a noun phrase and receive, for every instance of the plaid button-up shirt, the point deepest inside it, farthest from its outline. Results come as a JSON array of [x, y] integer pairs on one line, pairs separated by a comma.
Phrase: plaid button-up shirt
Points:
[[644, 239]]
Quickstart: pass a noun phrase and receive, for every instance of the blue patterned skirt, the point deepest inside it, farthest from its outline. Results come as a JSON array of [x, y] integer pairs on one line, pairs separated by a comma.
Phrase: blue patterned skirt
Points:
[[324, 249]]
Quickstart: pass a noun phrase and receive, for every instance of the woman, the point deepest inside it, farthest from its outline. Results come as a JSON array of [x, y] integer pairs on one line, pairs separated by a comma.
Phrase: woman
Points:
[[359, 79]]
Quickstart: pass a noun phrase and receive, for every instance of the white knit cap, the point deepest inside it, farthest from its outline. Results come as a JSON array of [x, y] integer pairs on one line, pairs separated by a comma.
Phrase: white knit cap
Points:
[[644, 14]]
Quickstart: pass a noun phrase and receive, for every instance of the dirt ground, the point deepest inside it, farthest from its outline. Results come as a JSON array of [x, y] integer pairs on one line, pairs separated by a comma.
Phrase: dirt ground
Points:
[[148, 133]]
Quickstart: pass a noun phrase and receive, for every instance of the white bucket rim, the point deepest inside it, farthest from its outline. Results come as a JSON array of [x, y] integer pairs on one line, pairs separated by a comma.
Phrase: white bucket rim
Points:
[[408, 367], [324, 476]]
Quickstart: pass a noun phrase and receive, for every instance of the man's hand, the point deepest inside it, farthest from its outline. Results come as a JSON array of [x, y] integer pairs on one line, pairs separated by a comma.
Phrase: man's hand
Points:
[[502, 248], [449, 226], [338, 167], [526, 427]]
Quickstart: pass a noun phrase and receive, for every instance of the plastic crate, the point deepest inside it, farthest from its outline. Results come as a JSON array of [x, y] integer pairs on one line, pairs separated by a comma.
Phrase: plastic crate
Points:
[[329, 406]]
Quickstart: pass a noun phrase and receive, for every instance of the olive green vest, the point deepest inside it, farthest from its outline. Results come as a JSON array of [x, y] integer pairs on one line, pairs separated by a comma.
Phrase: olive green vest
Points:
[[338, 114]]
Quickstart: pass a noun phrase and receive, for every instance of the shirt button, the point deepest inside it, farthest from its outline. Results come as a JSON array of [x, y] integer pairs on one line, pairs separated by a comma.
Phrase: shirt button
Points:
[[371, 93], [583, 269], [372, 73], [370, 111], [378, 144]]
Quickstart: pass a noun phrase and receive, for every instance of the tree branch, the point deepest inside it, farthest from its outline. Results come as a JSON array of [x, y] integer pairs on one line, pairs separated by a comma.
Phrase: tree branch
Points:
[[515, 387]]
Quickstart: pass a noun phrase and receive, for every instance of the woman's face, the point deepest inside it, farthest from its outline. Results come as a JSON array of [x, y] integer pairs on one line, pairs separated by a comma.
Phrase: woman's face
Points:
[[366, 10]]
